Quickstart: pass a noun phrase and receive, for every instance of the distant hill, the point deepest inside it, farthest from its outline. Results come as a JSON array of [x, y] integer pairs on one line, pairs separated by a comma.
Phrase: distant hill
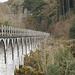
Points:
[[16, 6], [6, 15]]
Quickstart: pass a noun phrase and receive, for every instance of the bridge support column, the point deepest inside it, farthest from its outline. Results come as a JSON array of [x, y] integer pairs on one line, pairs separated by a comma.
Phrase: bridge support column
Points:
[[23, 51], [10, 57], [36, 42], [23, 41], [16, 53], [3, 67], [16, 58], [32, 43], [28, 45], [20, 50], [39, 41]]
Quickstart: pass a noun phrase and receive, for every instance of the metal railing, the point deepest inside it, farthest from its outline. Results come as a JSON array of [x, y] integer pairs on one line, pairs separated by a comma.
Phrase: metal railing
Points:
[[13, 31]]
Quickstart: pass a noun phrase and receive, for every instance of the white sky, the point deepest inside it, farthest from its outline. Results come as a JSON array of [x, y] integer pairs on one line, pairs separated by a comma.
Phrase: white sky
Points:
[[1, 1]]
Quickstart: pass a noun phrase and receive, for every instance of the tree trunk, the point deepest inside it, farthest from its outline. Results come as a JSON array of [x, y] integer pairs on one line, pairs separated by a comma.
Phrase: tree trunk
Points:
[[69, 7], [63, 9]]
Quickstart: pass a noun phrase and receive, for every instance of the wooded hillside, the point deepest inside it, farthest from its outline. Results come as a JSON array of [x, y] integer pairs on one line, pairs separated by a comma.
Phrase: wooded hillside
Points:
[[53, 16], [48, 13]]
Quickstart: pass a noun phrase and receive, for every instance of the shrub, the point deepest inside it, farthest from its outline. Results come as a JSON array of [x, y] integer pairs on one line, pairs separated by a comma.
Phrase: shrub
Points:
[[31, 61], [31, 65], [73, 10], [1, 23], [63, 64], [72, 30], [6, 23], [26, 71], [72, 48]]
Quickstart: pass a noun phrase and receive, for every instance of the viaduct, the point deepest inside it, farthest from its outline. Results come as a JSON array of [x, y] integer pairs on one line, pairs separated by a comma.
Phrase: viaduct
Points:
[[16, 42]]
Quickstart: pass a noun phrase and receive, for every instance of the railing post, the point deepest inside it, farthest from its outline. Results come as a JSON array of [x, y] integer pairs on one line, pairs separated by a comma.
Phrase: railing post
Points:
[[2, 30], [11, 30]]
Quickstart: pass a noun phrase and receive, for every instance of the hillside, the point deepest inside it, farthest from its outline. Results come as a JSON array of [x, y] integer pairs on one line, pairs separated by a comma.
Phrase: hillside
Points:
[[47, 16], [62, 27], [7, 16], [15, 6], [50, 16]]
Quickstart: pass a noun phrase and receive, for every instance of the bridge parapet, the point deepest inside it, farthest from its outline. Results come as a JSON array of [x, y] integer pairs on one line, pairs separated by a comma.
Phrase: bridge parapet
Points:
[[12, 31]]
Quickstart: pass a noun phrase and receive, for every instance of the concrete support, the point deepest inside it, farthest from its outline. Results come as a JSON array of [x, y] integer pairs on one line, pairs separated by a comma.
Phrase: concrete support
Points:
[[23, 46], [13, 50], [33, 44], [36, 43], [22, 55], [26, 45], [10, 63], [16, 56], [30, 44], [3, 68]]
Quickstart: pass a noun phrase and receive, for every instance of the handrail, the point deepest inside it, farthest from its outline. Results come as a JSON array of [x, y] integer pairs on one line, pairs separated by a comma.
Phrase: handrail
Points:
[[17, 31]]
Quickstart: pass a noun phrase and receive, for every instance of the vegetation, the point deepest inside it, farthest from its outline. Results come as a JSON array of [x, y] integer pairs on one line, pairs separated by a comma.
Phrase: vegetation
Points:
[[72, 48], [63, 64], [59, 60], [1, 23], [53, 16], [32, 65], [72, 30], [32, 5], [48, 13], [33, 61], [6, 23], [73, 10], [54, 58], [26, 71]]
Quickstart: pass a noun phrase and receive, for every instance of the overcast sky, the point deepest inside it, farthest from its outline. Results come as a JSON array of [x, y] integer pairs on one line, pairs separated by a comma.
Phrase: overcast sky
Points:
[[3, 1]]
